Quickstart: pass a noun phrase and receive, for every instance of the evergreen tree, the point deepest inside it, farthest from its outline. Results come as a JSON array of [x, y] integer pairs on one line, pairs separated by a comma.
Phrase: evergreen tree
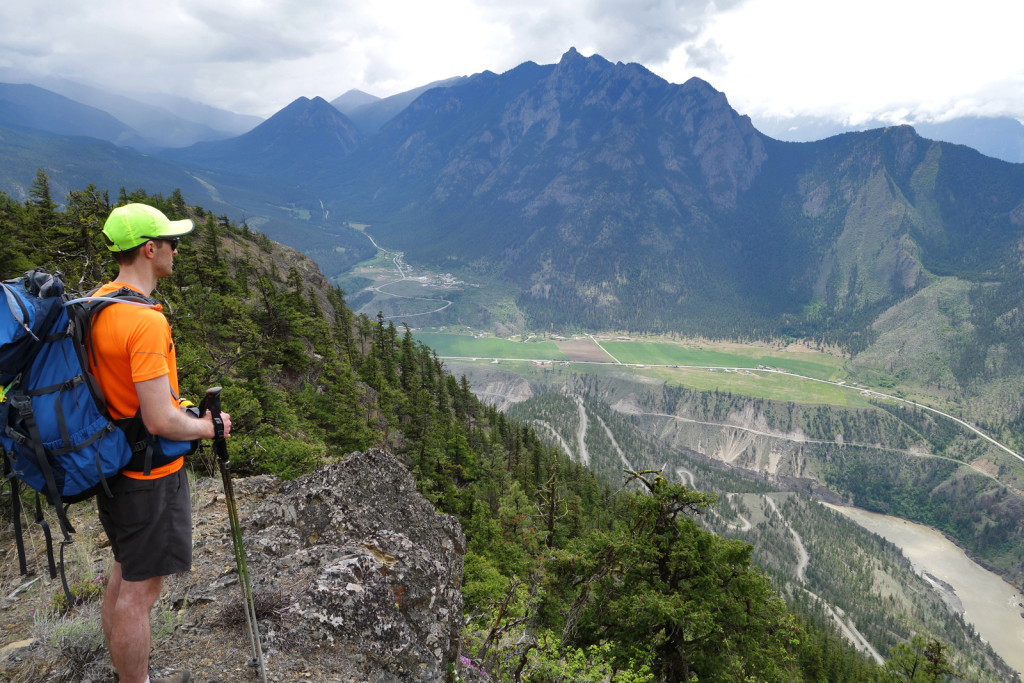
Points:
[[659, 587]]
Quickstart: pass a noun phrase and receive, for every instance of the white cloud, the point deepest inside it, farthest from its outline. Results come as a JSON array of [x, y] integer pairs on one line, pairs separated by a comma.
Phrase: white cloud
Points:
[[912, 58], [864, 59]]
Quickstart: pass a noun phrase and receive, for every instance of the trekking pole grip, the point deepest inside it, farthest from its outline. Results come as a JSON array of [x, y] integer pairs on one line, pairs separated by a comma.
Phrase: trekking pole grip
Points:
[[211, 402]]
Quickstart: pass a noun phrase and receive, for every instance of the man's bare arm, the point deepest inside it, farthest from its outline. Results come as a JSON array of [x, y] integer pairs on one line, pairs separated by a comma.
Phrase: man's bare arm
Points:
[[162, 418]]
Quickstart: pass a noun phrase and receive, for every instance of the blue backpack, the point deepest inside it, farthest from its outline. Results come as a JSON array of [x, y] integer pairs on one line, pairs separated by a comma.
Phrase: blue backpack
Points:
[[56, 433]]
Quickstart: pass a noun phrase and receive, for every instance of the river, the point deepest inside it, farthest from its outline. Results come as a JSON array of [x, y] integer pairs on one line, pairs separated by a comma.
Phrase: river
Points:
[[988, 602]]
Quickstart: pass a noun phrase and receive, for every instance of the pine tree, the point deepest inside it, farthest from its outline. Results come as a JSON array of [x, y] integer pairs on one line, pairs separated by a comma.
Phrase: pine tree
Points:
[[659, 585]]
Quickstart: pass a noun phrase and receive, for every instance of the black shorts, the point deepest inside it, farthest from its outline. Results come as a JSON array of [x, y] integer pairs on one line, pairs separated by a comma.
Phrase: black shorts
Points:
[[149, 524]]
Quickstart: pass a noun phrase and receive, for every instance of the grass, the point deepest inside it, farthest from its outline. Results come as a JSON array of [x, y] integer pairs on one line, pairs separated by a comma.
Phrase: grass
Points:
[[756, 384], [488, 347], [773, 386], [807, 363]]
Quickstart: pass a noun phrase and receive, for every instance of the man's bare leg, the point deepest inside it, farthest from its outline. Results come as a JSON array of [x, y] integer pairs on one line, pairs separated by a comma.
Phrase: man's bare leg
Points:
[[125, 616]]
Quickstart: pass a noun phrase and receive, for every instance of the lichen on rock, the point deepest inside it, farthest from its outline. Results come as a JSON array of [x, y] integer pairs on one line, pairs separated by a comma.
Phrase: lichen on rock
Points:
[[374, 570]]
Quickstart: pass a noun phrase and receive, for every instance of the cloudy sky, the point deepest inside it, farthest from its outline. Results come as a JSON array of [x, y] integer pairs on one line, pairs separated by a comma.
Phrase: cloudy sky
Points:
[[897, 60]]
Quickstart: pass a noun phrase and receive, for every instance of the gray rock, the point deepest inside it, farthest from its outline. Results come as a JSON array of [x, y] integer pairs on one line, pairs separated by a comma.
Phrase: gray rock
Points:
[[375, 572]]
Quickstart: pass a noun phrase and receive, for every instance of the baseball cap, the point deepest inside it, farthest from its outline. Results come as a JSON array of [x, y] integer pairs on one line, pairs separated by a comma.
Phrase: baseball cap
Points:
[[130, 225]]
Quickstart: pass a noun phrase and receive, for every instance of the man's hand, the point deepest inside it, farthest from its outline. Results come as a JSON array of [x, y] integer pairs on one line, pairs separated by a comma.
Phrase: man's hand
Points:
[[226, 420]]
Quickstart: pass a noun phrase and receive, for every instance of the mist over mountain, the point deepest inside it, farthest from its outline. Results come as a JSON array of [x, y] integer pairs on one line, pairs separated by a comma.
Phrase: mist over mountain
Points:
[[353, 99], [1001, 137], [72, 162], [33, 108], [369, 112], [222, 122], [157, 121]]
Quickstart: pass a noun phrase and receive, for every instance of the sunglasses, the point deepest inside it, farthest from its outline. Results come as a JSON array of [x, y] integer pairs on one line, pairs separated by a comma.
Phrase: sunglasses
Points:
[[173, 241]]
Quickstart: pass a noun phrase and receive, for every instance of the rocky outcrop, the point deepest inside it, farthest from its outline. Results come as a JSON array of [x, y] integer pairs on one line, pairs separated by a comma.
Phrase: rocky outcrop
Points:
[[355, 577], [375, 572]]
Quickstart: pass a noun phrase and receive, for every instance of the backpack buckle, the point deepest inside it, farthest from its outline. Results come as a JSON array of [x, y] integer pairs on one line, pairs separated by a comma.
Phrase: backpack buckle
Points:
[[21, 403], [17, 437]]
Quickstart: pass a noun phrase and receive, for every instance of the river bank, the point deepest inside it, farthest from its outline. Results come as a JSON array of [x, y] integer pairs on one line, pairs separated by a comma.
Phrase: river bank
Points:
[[994, 607]]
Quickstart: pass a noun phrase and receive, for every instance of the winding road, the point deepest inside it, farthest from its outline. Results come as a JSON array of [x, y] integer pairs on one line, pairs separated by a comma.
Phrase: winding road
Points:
[[846, 625], [396, 258], [581, 432], [558, 437]]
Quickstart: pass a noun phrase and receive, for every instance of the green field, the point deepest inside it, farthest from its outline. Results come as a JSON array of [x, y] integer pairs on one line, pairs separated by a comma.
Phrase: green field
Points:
[[488, 347], [767, 385], [809, 364], [754, 383]]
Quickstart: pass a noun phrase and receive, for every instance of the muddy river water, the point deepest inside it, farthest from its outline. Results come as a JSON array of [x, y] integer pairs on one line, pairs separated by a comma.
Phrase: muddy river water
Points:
[[988, 602]]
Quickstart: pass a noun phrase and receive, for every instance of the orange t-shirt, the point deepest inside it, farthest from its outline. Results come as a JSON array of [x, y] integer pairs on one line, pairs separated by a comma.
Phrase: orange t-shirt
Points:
[[132, 344]]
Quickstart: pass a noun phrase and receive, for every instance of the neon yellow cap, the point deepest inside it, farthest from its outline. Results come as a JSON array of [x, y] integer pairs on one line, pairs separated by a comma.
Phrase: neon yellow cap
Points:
[[130, 225]]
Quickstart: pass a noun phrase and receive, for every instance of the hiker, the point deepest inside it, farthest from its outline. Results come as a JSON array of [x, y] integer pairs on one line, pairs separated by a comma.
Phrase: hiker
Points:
[[149, 518]]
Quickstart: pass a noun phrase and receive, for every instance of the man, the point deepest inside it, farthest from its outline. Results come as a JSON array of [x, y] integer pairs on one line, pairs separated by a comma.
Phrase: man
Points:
[[149, 518]]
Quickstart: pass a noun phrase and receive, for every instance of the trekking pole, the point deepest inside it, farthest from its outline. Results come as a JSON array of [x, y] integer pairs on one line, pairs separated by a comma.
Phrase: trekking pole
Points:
[[220, 448]]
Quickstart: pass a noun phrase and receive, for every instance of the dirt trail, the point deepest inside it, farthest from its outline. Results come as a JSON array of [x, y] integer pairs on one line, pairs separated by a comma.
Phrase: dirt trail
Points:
[[396, 258], [611, 437], [558, 437], [684, 475], [581, 431], [845, 624], [734, 443], [802, 557], [849, 629], [746, 526]]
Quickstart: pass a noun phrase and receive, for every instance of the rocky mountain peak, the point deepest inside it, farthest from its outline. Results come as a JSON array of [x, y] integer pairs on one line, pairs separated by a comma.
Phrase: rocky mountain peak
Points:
[[306, 136]]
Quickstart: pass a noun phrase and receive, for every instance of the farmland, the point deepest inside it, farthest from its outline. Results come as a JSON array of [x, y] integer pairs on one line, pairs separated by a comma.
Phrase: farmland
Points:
[[713, 367], [806, 363], [464, 346]]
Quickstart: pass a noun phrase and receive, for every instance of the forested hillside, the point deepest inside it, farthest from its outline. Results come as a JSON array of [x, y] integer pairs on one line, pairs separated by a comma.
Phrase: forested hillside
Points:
[[830, 569], [568, 577]]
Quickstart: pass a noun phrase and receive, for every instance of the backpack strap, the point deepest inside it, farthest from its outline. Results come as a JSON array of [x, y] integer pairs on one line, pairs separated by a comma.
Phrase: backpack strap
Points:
[[41, 521], [92, 305], [62, 514], [19, 540], [23, 406], [139, 439]]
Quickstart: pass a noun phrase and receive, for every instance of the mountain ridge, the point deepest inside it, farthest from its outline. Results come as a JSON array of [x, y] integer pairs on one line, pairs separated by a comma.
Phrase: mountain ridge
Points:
[[999, 137], [306, 134], [33, 108], [607, 196], [370, 113]]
